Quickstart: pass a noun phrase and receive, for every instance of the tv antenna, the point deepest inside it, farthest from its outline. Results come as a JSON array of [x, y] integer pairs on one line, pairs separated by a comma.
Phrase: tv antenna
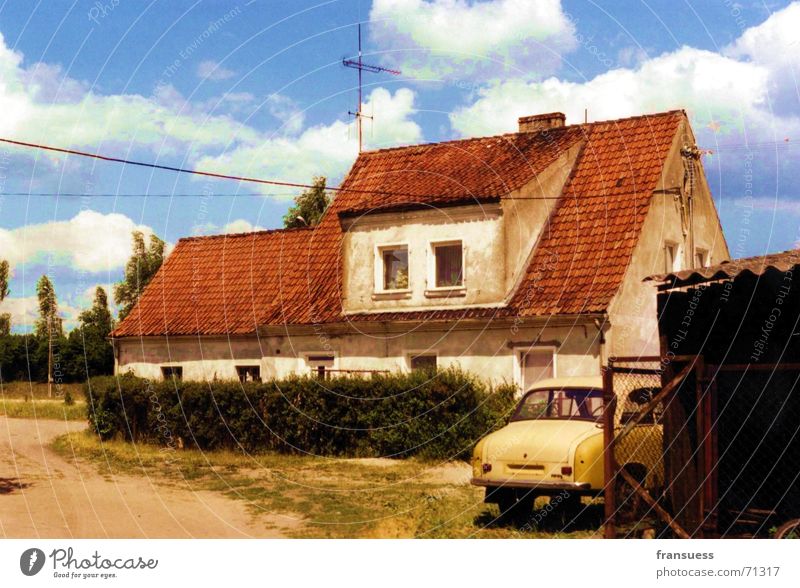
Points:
[[362, 67]]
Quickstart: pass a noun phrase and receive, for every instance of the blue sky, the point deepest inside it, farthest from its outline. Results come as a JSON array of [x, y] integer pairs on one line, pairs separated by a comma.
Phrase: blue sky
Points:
[[257, 88]]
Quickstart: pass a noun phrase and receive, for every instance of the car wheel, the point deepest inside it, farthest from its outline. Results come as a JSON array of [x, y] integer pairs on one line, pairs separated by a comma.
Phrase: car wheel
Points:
[[515, 507]]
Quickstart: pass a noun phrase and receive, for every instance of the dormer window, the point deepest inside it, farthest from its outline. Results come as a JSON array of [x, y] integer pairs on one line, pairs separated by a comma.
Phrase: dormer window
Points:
[[448, 265]]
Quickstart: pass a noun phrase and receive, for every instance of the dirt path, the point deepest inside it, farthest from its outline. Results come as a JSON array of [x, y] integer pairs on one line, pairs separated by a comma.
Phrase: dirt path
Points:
[[44, 495]]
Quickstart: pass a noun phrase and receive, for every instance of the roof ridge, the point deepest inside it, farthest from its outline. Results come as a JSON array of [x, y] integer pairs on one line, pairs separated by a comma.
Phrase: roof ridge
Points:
[[513, 134], [244, 234]]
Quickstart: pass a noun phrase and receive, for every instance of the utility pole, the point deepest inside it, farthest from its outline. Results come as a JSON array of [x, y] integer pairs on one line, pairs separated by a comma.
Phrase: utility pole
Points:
[[359, 65]]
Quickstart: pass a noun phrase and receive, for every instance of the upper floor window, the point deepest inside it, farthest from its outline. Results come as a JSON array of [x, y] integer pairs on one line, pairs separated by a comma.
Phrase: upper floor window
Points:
[[672, 257], [448, 264], [394, 260], [701, 258]]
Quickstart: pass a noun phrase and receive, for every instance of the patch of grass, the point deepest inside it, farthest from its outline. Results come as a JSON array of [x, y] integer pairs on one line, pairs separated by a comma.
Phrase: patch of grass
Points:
[[335, 497], [38, 390], [42, 409]]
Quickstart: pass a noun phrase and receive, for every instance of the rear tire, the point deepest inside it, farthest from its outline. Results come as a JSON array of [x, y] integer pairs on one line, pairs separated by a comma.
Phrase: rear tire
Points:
[[516, 506]]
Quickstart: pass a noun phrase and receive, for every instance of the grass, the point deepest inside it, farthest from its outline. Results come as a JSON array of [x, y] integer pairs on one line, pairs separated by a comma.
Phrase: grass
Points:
[[335, 497], [31, 401]]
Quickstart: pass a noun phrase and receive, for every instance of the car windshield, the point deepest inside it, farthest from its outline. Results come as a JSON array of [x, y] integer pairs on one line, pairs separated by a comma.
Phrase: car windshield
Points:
[[560, 403]]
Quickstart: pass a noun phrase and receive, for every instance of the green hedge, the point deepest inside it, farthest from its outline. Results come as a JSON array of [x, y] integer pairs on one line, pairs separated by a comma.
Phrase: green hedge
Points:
[[434, 415]]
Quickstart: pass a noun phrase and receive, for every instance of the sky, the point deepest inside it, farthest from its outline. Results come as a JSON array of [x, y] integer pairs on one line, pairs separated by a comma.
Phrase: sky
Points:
[[257, 88]]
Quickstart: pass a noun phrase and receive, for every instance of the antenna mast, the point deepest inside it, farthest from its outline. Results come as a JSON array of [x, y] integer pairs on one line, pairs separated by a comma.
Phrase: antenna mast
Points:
[[359, 65]]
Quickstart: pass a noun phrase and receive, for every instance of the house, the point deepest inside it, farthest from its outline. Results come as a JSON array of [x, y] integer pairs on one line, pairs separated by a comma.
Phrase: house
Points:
[[518, 257]]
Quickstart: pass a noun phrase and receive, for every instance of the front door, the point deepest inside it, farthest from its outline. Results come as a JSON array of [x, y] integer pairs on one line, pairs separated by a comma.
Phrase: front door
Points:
[[536, 364]]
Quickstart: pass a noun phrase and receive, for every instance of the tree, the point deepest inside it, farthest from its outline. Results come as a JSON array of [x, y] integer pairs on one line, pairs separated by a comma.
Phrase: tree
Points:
[[49, 325], [140, 269], [309, 206], [88, 348], [5, 318]]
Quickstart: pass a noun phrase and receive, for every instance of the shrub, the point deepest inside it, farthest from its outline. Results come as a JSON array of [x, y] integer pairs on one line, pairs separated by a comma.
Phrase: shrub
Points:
[[432, 414]]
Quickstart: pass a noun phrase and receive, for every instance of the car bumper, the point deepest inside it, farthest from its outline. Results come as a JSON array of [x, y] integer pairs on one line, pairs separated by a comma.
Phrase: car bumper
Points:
[[543, 485]]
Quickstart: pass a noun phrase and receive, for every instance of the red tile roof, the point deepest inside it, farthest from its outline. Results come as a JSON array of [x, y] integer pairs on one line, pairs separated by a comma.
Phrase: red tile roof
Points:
[[231, 284]]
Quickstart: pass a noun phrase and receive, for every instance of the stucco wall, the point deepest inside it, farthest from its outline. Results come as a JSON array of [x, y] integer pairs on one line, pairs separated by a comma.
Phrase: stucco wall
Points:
[[489, 351], [634, 328], [479, 228]]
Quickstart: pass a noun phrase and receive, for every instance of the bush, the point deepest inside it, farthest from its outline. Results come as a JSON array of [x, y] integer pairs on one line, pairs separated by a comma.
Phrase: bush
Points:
[[432, 414]]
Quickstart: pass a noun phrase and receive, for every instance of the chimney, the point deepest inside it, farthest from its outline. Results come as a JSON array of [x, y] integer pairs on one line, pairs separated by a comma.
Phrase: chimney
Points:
[[541, 122]]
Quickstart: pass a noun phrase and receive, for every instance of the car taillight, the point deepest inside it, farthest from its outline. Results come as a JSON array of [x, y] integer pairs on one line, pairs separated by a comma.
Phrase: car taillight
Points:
[[566, 471], [487, 467]]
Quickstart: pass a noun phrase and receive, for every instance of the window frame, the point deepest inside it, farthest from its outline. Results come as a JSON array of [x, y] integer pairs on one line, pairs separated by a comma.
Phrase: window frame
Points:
[[413, 354], [250, 366], [519, 363], [171, 377], [431, 277], [380, 268], [706, 255], [677, 259]]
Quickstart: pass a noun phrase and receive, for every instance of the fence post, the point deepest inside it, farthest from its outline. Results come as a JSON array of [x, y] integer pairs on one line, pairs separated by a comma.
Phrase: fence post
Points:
[[609, 463]]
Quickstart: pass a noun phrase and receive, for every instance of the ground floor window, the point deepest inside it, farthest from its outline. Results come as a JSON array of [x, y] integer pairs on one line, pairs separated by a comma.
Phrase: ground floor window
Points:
[[422, 361], [172, 372], [536, 364], [248, 373]]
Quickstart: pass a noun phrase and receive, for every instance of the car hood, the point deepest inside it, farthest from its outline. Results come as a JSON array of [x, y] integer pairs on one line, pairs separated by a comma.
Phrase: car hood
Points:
[[545, 440]]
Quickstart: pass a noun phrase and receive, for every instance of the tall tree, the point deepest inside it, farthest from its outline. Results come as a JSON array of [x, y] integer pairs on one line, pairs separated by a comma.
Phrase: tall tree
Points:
[[49, 326], [140, 269], [5, 318], [89, 349], [309, 206]]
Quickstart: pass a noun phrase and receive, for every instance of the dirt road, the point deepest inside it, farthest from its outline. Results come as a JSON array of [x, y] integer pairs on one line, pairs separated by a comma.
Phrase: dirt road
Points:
[[44, 495]]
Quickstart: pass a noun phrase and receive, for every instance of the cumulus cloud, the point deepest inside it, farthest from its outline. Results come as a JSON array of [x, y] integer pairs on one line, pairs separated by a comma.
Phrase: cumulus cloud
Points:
[[24, 311], [323, 149], [89, 241], [212, 70], [41, 103], [742, 88], [434, 39]]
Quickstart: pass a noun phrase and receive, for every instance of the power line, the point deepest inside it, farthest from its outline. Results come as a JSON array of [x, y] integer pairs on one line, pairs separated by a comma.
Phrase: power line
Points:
[[281, 183], [113, 195]]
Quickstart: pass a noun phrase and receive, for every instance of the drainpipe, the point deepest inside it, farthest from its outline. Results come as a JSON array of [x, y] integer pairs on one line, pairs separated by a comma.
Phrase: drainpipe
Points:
[[601, 340]]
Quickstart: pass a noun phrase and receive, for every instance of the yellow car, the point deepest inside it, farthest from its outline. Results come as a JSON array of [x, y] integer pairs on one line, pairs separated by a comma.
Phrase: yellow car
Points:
[[553, 446]]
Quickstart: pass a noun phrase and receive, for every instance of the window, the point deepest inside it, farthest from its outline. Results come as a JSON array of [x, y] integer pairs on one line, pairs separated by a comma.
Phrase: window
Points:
[[172, 372], [248, 373], [395, 268], [536, 365], [320, 363], [700, 258], [448, 265], [672, 258], [569, 403], [423, 361]]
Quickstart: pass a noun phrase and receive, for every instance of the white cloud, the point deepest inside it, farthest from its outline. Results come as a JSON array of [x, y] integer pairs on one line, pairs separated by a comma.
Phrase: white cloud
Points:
[[211, 70], [42, 104], [463, 38], [241, 225], [739, 87], [89, 241], [327, 150], [25, 310], [287, 112]]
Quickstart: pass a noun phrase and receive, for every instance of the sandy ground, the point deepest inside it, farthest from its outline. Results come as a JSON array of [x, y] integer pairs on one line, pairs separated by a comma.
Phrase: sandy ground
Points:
[[44, 495]]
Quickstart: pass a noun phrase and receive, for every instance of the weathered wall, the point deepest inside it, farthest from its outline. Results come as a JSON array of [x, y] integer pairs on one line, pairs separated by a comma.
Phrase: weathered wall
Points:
[[489, 352], [479, 228], [634, 328]]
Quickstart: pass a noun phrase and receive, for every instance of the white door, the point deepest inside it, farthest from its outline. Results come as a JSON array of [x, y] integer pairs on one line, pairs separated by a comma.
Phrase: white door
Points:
[[536, 364]]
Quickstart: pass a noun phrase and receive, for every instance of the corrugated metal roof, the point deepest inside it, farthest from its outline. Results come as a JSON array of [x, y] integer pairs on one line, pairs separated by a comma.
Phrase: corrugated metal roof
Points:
[[782, 262]]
